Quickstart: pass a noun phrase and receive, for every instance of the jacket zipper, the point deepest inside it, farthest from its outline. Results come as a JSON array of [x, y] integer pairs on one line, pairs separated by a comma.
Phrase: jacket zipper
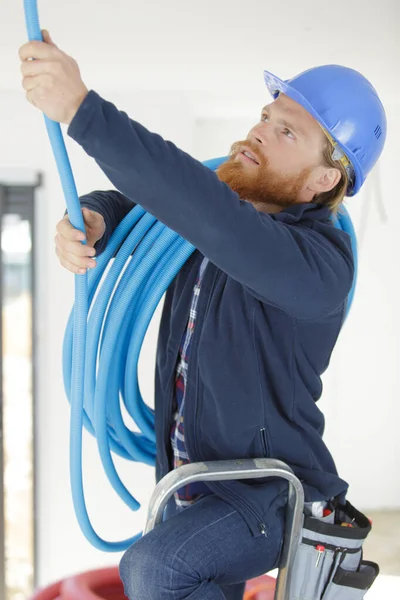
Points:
[[197, 358], [168, 405], [262, 526], [167, 421]]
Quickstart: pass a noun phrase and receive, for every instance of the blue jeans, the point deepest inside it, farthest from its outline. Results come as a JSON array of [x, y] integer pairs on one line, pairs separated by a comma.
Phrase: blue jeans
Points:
[[205, 552]]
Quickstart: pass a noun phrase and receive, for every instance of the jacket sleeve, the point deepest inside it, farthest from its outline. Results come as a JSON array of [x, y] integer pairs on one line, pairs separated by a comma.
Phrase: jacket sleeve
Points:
[[294, 268], [113, 206]]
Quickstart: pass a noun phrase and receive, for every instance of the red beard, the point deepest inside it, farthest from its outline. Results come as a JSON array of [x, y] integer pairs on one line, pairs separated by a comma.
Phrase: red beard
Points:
[[260, 185]]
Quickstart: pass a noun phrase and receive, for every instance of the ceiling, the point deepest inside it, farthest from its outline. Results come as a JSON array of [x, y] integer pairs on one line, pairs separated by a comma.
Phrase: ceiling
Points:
[[216, 46]]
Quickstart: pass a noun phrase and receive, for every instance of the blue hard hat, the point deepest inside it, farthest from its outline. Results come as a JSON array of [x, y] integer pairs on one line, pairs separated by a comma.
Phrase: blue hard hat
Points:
[[348, 108]]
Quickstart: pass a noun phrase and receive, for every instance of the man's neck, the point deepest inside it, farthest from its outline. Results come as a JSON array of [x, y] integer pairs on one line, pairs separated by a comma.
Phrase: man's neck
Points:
[[267, 208]]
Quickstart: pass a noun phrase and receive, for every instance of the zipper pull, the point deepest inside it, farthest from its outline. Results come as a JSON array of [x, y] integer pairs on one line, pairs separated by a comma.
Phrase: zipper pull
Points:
[[321, 550], [263, 529]]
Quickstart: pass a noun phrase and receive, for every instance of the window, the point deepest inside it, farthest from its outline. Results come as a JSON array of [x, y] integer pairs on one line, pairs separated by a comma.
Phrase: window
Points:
[[17, 456]]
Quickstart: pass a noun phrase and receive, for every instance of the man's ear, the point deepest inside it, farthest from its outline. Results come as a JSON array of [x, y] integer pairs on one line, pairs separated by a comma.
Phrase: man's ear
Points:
[[324, 180]]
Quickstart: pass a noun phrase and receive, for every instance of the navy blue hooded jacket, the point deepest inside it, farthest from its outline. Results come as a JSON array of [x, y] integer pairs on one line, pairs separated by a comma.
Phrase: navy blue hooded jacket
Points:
[[272, 303]]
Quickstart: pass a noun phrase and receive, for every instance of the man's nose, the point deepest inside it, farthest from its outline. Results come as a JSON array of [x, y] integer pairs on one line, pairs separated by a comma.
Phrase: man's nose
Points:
[[258, 136]]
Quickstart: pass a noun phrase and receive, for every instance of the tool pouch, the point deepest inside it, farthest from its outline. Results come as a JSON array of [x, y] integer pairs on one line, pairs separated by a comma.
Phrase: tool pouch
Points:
[[329, 563]]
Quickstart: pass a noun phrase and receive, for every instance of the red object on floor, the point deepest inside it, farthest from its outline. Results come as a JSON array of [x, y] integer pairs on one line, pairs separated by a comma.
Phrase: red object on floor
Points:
[[50, 593], [105, 584], [261, 588], [100, 584], [93, 585]]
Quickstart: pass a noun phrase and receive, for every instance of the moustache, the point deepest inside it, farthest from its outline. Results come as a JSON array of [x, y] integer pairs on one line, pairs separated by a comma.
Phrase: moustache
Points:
[[238, 147]]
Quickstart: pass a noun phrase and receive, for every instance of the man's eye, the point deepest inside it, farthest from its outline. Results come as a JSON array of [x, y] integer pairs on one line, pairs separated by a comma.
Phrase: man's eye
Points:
[[289, 133], [264, 117]]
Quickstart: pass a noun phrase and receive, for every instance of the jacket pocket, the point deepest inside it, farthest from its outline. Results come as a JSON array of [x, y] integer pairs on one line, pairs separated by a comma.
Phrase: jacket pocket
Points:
[[264, 442]]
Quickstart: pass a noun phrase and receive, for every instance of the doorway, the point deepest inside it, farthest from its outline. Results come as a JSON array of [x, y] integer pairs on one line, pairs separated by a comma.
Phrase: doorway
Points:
[[17, 392]]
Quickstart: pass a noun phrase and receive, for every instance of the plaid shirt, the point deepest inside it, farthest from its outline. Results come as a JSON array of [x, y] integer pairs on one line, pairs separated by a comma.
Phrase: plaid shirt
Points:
[[189, 494]]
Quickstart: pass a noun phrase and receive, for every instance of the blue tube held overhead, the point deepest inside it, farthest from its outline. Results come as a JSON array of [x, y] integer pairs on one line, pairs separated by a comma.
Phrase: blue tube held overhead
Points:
[[114, 304], [94, 380]]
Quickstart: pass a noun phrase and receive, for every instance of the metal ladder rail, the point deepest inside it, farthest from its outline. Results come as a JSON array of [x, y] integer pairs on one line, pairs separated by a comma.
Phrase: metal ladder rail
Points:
[[239, 469]]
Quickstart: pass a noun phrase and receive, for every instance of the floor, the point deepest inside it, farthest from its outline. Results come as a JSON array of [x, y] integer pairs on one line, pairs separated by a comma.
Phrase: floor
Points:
[[386, 587], [383, 544]]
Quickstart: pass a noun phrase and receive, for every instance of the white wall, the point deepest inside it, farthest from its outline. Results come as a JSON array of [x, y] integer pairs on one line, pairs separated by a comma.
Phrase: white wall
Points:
[[193, 72]]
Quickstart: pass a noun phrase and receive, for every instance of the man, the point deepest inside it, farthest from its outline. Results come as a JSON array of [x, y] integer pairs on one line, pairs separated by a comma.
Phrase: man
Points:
[[250, 322]]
